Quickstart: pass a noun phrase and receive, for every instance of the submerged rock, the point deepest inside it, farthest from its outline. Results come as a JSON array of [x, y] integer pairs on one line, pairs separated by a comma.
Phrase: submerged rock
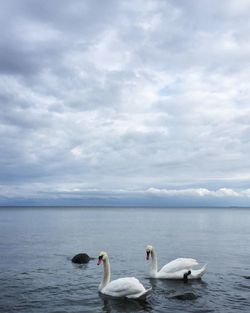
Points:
[[246, 277], [184, 296], [81, 258]]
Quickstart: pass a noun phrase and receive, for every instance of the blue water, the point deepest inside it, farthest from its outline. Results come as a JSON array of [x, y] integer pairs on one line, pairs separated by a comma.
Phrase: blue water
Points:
[[36, 245]]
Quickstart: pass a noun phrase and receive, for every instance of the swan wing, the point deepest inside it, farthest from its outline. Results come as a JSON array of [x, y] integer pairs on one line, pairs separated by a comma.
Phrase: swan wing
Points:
[[124, 287], [171, 275], [195, 274], [179, 265]]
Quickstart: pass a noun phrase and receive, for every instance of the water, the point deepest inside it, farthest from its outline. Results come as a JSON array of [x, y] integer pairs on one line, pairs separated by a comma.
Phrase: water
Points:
[[36, 245]]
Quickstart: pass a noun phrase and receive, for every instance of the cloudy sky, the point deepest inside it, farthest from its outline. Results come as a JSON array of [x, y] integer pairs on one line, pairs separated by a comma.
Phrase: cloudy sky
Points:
[[125, 102]]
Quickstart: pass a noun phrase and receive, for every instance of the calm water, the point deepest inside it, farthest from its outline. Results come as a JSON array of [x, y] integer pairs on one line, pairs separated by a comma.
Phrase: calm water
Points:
[[36, 274]]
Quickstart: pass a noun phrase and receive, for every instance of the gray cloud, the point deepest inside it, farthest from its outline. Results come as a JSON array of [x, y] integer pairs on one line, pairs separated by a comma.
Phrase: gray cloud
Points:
[[142, 95]]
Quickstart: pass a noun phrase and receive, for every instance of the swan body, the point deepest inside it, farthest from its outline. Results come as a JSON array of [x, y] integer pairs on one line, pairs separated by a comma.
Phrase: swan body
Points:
[[176, 269], [128, 287]]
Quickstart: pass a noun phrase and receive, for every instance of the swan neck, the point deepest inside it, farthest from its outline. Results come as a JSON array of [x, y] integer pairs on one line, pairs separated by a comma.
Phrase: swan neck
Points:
[[154, 265], [106, 274]]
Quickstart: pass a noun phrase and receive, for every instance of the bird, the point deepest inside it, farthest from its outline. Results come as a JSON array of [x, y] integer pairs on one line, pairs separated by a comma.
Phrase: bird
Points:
[[181, 268], [127, 287]]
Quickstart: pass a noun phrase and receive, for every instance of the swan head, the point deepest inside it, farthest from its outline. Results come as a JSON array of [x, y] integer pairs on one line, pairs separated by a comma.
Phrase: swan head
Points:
[[103, 256], [149, 250]]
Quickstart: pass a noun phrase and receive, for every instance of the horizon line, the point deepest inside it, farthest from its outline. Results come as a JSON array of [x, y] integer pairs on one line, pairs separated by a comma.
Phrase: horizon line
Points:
[[125, 206]]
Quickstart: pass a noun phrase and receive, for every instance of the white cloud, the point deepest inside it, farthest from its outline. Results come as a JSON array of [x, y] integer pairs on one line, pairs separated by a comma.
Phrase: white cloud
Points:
[[227, 192], [196, 192]]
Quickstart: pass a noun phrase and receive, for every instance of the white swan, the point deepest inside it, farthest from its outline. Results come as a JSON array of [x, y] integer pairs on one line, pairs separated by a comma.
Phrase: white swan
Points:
[[181, 268], [128, 287]]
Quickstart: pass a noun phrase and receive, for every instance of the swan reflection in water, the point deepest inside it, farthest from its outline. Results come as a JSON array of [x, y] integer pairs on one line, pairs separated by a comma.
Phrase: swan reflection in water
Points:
[[176, 289], [124, 305]]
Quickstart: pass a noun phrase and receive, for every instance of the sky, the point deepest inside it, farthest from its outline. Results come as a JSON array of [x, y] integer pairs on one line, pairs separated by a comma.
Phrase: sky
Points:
[[142, 102]]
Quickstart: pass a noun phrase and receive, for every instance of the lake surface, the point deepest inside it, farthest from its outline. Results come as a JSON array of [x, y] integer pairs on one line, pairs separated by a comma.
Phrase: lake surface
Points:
[[36, 245]]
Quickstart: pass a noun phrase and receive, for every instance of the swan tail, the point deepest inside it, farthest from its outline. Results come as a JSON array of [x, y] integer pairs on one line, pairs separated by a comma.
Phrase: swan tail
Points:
[[141, 295], [198, 273]]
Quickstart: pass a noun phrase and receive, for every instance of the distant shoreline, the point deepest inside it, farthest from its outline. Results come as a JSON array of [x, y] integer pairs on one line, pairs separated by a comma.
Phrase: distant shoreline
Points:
[[123, 206]]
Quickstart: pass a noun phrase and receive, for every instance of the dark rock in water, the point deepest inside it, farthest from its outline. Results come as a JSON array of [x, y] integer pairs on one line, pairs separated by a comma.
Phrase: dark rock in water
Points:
[[81, 258]]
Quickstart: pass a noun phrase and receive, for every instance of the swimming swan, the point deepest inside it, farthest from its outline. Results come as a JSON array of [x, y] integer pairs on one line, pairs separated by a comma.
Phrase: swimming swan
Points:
[[128, 287], [181, 268]]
